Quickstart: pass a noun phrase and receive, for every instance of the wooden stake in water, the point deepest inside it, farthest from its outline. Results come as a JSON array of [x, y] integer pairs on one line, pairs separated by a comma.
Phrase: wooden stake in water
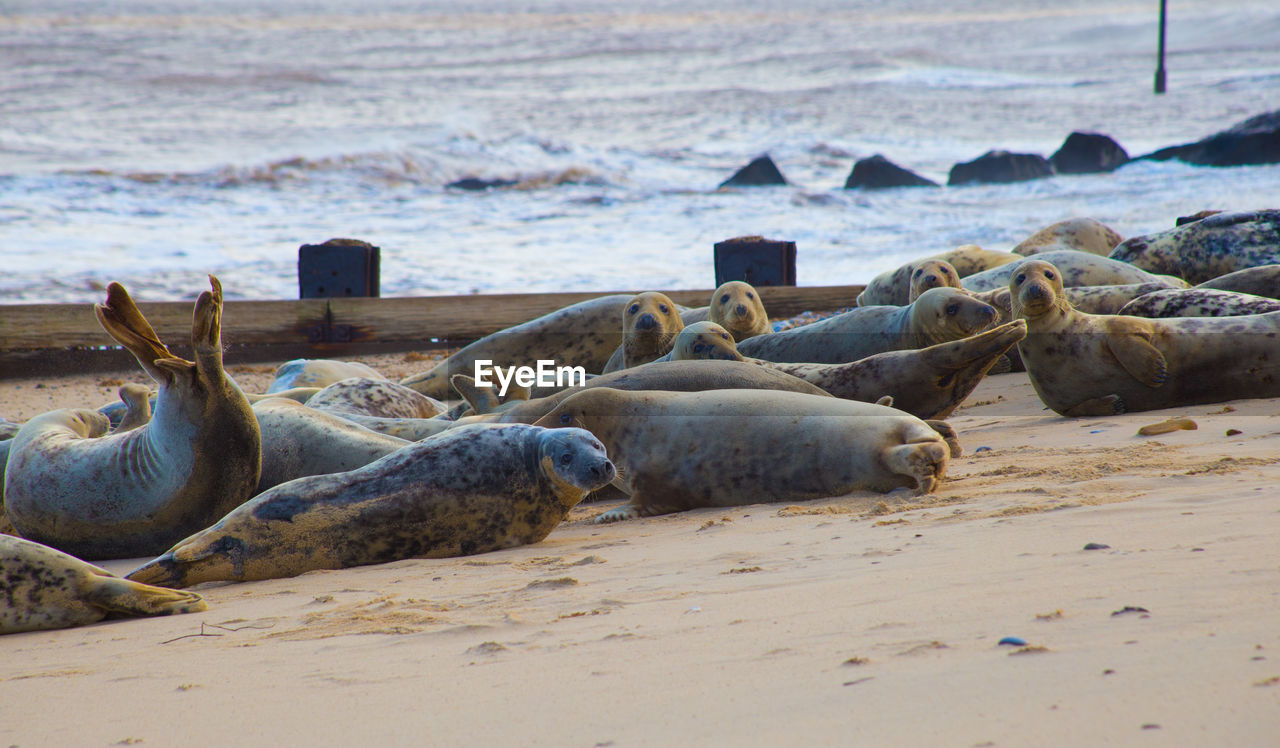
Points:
[[1160, 76]]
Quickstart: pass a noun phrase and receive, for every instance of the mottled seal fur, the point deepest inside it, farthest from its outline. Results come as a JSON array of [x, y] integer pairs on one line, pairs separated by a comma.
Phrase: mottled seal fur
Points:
[[1086, 364], [375, 397], [298, 441], [1077, 268], [46, 589], [1198, 302], [938, 316], [891, 287], [650, 322], [1263, 280], [583, 334], [136, 492], [1205, 249], [1109, 299], [682, 450], [472, 490], [318, 372], [928, 383], [1081, 234]]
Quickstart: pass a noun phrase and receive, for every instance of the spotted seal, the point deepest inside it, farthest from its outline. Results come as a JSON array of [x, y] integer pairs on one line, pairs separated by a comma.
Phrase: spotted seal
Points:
[[1198, 302], [45, 588], [1081, 234], [682, 450], [583, 334], [1205, 249], [1077, 268], [928, 383], [891, 287], [650, 323], [318, 372], [1263, 280], [136, 492], [938, 316], [298, 441], [1086, 364], [475, 489], [1108, 299]]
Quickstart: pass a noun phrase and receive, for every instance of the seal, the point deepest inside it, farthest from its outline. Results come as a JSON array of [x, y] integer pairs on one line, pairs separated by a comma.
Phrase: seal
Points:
[[1263, 280], [136, 492], [1205, 249], [928, 383], [584, 334], [375, 397], [1097, 364], [1077, 269], [476, 489], [318, 372], [891, 287], [47, 589], [1081, 234], [1198, 302], [682, 450], [650, 323], [736, 306], [298, 441], [931, 274], [137, 402], [1108, 299], [938, 316]]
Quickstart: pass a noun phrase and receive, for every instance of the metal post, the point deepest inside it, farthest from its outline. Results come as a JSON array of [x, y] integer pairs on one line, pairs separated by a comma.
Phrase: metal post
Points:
[[1160, 77]]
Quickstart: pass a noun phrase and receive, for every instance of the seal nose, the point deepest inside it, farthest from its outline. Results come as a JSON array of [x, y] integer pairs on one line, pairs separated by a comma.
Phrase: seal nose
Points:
[[646, 322], [740, 310], [603, 471], [1035, 291], [932, 280]]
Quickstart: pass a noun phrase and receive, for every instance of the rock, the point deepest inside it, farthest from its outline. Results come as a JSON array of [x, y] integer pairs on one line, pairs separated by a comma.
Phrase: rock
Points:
[[1088, 153], [879, 172], [1000, 167], [760, 172], [476, 184], [1254, 141]]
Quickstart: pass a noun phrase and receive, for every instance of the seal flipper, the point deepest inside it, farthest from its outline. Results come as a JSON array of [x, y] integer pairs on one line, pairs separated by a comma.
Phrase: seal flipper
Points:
[[1107, 405], [926, 462], [948, 433], [127, 597], [481, 399], [1143, 361], [122, 320]]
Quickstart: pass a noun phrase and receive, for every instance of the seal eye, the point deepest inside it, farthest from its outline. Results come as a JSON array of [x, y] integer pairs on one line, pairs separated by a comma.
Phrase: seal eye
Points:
[[724, 299], [724, 336], [698, 347], [750, 295], [566, 419], [953, 310], [633, 309], [1048, 274], [663, 308], [566, 458], [917, 273], [1022, 278]]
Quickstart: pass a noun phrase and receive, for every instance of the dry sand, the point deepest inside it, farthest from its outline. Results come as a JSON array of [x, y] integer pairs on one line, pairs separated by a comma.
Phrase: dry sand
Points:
[[863, 620]]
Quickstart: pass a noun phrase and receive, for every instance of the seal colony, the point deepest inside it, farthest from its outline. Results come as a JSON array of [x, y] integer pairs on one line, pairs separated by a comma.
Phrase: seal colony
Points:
[[681, 409]]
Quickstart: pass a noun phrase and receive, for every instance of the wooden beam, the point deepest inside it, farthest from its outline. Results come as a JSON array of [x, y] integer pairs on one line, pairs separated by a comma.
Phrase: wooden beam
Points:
[[35, 337]]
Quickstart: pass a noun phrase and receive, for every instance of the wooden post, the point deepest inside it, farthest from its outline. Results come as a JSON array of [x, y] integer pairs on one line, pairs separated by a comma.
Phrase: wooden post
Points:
[[1160, 75]]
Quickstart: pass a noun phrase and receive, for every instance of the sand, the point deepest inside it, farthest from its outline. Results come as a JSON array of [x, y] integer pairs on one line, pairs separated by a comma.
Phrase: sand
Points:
[[861, 620]]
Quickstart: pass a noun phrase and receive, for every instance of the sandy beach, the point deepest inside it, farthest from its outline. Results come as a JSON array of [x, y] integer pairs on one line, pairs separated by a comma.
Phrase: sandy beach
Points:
[[866, 619]]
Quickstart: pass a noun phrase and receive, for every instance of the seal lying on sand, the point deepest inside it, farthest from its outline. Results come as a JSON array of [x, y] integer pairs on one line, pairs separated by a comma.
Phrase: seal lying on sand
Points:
[[1202, 250], [927, 383], [650, 323], [137, 492], [583, 334], [298, 441], [682, 450], [1198, 302], [47, 589], [938, 316], [1086, 364], [472, 490]]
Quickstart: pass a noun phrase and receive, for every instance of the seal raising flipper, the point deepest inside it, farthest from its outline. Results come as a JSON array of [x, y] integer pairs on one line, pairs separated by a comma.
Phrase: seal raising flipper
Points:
[[47, 589]]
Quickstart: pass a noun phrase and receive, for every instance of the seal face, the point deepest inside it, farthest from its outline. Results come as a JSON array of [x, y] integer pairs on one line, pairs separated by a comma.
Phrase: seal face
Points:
[[1205, 249], [681, 450], [583, 334], [134, 493], [473, 489], [46, 589], [929, 274], [940, 315], [736, 306], [650, 323], [1086, 364]]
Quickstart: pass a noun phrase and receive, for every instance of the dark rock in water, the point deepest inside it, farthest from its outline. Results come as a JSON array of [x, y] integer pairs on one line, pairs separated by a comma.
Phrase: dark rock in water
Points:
[[879, 172], [760, 172], [476, 184], [1254, 141], [1088, 153], [1001, 166]]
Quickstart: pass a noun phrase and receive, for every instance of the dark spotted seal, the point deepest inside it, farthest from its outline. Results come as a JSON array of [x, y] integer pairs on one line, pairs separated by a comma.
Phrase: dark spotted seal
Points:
[[1198, 302], [1205, 249]]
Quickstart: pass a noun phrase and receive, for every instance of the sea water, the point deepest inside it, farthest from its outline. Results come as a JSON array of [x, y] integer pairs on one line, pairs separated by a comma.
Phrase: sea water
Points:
[[156, 141]]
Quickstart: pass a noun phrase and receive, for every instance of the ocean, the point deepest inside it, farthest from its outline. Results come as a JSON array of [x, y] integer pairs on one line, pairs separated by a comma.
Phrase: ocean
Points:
[[155, 141]]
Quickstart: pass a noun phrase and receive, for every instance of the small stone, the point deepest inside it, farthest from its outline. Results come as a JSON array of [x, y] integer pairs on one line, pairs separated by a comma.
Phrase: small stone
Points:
[[1164, 427], [1234, 432], [1096, 546], [1129, 609], [1012, 641]]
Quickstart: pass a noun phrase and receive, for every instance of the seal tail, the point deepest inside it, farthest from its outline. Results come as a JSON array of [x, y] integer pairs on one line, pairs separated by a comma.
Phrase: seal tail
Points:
[[131, 598], [122, 320], [164, 571]]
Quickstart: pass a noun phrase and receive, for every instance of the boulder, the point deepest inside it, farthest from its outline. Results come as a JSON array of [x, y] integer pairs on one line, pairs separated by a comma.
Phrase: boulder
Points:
[[760, 172], [1254, 141], [1088, 153], [1000, 167], [879, 172]]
